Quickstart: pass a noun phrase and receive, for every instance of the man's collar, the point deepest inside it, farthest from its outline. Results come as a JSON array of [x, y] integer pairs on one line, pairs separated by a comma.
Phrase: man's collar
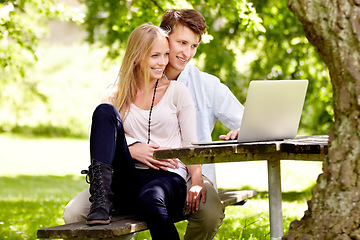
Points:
[[164, 76], [180, 75]]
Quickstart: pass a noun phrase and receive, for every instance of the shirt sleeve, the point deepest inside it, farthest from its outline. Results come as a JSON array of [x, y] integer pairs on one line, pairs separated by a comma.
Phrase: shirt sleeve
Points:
[[186, 115], [130, 141], [227, 107]]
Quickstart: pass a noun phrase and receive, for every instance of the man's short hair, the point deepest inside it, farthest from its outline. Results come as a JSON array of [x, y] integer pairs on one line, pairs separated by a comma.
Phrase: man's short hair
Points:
[[187, 17]]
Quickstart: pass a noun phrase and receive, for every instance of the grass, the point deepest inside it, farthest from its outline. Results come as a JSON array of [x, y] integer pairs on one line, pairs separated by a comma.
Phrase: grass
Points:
[[28, 203], [38, 177]]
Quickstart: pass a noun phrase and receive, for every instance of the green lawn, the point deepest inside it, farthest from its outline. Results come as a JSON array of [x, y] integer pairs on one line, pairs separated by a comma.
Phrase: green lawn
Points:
[[39, 176], [30, 202]]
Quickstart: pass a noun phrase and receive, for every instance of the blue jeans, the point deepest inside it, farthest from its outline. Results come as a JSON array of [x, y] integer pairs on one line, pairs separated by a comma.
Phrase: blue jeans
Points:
[[156, 196]]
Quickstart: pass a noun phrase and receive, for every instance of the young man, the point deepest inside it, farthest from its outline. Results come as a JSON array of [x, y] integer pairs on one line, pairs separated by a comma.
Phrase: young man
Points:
[[213, 101]]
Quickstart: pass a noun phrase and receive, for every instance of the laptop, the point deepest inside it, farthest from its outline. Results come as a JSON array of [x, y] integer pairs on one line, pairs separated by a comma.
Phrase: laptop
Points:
[[272, 111]]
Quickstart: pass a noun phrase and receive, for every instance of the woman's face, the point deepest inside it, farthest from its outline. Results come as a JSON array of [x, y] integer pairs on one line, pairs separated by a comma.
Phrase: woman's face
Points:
[[159, 57]]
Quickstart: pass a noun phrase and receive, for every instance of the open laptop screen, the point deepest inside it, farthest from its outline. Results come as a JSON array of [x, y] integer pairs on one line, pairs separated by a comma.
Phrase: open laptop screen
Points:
[[272, 111]]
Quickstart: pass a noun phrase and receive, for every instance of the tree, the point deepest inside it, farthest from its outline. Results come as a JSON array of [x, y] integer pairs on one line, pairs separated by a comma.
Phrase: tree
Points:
[[333, 27]]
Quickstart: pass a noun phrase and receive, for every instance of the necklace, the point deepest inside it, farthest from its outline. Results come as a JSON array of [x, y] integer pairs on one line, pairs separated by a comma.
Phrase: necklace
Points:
[[151, 108]]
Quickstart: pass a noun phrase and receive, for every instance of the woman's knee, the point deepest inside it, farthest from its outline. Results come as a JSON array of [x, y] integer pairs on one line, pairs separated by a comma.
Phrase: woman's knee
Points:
[[147, 199], [104, 111], [151, 205]]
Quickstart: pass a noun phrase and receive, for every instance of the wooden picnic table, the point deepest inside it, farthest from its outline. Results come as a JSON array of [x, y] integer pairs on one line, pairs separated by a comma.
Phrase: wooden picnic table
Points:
[[307, 148]]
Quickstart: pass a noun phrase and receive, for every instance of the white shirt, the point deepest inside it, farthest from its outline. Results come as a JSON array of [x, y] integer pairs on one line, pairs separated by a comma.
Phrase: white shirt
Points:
[[213, 101], [173, 122]]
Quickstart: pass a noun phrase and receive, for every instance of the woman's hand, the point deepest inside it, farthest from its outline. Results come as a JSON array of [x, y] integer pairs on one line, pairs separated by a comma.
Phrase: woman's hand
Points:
[[144, 153], [196, 193]]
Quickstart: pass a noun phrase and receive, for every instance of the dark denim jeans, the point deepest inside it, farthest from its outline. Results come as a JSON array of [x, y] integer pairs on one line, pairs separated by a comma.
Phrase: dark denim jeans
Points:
[[156, 196]]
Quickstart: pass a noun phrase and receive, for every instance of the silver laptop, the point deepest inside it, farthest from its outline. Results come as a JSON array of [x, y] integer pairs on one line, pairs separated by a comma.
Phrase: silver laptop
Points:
[[272, 111]]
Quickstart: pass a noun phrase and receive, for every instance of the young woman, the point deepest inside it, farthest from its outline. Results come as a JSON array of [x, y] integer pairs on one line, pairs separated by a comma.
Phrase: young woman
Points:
[[154, 111]]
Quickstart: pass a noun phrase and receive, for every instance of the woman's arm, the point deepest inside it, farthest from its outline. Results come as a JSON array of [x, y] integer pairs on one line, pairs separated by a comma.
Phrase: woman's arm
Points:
[[197, 190], [187, 124]]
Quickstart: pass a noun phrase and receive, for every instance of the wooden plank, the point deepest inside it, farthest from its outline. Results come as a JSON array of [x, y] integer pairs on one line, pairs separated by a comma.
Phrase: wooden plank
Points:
[[212, 151], [306, 145], [312, 148], [120, 225], [124, 225], [236, 197]]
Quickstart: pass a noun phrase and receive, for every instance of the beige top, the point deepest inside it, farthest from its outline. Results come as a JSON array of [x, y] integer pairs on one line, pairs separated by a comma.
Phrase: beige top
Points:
[[173, 121]]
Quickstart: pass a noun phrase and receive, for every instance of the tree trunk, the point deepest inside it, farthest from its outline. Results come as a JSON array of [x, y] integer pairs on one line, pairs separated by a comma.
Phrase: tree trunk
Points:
[[333, 27]]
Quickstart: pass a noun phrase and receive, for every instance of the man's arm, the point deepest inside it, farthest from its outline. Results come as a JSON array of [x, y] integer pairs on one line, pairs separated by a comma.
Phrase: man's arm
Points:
[[143, 152], [227, 107], [229, 110], [214, 100]]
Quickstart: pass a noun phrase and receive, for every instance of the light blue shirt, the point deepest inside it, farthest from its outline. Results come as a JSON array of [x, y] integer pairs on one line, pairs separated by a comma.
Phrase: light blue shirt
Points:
[[213, 101]]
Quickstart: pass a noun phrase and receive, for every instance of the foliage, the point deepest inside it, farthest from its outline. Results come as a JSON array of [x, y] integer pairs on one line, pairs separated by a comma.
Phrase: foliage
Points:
[[110, 22], [283, 52], [22, 24]]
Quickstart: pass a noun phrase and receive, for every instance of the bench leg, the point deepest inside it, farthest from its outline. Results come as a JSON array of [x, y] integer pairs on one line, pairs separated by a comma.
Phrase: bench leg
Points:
[[275, 199]]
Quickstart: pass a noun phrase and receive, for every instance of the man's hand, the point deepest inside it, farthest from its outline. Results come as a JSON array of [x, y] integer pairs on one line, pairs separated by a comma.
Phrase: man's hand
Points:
[[195, 193], [233, 134], [144, 153]]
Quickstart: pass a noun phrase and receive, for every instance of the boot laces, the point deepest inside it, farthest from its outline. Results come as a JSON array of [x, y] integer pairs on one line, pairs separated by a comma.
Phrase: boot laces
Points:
[[95, 178]]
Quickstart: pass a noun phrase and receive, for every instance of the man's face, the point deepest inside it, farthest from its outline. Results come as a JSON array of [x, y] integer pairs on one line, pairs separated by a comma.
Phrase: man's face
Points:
[[183, 45]]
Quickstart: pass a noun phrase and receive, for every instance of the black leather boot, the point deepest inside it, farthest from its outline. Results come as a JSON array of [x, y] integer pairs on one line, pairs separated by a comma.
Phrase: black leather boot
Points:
[[100, 175]]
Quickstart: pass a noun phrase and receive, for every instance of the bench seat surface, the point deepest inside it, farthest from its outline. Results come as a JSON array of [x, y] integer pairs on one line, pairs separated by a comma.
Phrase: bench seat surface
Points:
[[124, 225]]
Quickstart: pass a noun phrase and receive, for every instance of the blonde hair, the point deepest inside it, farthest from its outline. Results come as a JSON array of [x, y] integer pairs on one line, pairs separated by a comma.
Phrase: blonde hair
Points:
[[135, 66]]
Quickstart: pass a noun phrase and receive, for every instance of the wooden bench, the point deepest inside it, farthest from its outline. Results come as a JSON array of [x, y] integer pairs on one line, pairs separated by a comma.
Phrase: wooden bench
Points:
[[125, 225]]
